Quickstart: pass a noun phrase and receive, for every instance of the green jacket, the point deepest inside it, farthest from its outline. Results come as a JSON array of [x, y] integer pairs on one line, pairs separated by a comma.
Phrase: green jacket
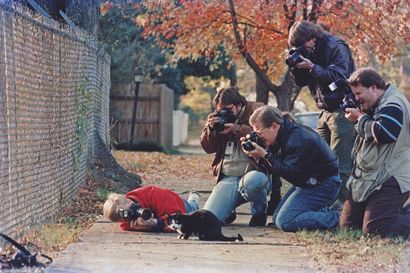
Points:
[[375, 163]]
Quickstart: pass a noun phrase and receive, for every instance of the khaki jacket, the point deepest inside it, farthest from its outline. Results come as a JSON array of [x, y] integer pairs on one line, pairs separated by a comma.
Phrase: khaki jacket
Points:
[[375, 163]]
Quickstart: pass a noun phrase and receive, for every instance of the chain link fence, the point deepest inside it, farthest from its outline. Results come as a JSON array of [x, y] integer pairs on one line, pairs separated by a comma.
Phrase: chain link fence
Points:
[[54, 103]]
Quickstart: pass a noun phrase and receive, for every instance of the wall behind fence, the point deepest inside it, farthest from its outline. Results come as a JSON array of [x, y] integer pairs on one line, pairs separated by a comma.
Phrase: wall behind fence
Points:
[[54, 102]]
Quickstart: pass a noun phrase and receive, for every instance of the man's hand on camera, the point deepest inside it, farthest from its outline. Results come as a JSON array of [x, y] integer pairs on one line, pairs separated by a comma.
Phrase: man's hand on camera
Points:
[[353, 114], [211, 119], [228, 128], [258, 152], [305, 64], [141, 224]]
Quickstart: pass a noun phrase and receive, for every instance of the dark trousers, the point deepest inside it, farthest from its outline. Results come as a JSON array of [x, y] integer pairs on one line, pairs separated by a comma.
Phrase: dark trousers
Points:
[[380, 213]]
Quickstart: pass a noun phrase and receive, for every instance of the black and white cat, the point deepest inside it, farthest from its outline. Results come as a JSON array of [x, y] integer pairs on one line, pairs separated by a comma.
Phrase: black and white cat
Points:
[[203, 224]]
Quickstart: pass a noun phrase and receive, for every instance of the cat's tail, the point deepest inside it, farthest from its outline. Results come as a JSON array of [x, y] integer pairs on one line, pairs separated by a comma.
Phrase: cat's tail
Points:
[[239, 238]]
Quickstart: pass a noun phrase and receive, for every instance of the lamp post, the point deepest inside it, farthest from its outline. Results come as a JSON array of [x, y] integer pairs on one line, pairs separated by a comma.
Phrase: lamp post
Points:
[[138, 78]]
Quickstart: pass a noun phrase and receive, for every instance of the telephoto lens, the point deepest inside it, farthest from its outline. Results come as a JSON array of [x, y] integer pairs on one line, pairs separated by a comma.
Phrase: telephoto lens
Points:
[[145, 213], [134, 213]]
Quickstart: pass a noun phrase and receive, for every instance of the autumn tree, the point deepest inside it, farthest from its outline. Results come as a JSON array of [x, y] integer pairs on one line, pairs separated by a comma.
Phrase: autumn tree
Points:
[[123, 40], [257, 31]]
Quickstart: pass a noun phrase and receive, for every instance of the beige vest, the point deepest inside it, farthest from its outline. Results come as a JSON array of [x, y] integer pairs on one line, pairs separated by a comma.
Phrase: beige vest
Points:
[[375, 163], [235, 162]]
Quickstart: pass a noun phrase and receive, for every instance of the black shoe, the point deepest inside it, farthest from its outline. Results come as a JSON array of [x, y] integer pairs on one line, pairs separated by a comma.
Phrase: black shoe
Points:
[[231, 218], [258, 220], [272, 204]]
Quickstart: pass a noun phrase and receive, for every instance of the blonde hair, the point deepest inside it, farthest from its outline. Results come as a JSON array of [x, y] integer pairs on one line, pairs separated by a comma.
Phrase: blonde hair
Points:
[[268, 114], [112, 204]]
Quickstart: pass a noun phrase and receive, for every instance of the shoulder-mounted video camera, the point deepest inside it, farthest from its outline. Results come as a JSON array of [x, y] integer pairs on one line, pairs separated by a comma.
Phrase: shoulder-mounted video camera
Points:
[[348, 101], [224, 116], [134, 212], [294, 56]]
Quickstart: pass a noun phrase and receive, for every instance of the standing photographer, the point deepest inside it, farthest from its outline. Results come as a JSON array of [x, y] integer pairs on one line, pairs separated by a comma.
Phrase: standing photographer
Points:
[[321, 59], [221, 136], [299, 155], [147, 208], [380, 180]]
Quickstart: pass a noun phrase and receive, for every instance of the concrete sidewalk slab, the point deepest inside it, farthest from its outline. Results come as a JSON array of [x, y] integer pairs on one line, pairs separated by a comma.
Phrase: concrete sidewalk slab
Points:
[[105, 248]]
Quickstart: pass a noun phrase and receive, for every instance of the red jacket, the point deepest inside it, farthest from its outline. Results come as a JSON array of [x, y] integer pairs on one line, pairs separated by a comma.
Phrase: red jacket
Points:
[[160, 201]]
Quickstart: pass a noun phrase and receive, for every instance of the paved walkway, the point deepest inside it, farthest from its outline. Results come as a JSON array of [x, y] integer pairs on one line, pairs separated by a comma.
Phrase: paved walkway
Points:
[[105, 248]]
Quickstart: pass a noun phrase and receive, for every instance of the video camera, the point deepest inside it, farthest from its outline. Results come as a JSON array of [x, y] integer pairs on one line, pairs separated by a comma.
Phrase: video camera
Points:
[[134, 212], [294, 56], [348, 101], [224, 115], [251, 137]]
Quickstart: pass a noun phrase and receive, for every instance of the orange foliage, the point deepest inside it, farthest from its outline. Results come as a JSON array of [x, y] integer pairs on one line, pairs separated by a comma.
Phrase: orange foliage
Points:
[[200, 27]]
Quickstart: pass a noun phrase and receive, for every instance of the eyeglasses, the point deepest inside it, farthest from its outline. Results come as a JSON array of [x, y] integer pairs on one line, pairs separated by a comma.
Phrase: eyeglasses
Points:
[[261, 131]]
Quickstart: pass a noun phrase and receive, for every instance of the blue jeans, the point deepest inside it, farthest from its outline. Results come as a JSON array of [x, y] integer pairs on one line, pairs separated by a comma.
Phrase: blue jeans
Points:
[[230, 193], [190, 206], [305, 208]]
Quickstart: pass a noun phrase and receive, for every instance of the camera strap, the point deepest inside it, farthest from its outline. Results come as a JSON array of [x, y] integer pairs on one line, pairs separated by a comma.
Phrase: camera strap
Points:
[[240, 115], [23, 257]]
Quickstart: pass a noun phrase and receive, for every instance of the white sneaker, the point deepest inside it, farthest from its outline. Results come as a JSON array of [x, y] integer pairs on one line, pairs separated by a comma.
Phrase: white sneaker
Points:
[[194, 197]]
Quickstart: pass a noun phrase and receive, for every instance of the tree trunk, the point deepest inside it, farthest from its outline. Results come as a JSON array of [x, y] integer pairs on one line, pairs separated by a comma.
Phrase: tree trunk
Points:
[[287, 92], [262, 92], [84, 14]]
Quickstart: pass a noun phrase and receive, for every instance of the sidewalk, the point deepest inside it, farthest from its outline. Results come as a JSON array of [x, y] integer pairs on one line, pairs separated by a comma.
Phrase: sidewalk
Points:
[[105, 248], [191, 147]]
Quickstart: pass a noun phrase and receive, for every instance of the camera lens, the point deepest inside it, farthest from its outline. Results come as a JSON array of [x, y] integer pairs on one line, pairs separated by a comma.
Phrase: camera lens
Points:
[[146, 214], [247, 146]]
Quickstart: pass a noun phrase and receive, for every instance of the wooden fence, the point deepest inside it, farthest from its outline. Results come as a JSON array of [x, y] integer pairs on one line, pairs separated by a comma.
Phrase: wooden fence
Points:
[[153, 116]]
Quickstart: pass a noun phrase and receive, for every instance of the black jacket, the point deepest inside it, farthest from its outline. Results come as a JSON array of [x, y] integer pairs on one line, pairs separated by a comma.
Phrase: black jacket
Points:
[[298, 154], [333, 60]]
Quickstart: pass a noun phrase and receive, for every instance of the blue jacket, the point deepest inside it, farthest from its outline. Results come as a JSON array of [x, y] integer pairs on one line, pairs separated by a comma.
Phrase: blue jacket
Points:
[[298, 154], [333, 60]]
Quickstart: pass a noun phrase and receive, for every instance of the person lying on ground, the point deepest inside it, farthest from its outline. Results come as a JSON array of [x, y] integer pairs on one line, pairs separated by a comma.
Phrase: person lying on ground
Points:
[[147, 208]]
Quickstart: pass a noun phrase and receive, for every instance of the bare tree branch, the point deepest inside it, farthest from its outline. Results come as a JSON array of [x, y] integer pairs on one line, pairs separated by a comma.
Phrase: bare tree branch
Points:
[[314, 13], [305, 16], [242, 49]]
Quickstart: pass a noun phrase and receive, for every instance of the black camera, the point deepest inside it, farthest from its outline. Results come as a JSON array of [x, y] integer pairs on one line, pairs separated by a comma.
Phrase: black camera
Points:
[[251, 137], [135, 212], [223, 116], [349, 101], [294, 56]]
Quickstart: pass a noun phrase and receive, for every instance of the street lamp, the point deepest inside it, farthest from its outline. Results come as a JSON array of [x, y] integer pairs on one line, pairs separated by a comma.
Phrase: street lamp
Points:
[[138, 78]]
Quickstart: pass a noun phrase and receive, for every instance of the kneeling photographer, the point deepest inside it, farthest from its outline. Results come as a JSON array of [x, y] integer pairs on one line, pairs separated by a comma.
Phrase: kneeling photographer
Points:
[[147, 208], [380, 181], [236, 182], [299, 155]]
